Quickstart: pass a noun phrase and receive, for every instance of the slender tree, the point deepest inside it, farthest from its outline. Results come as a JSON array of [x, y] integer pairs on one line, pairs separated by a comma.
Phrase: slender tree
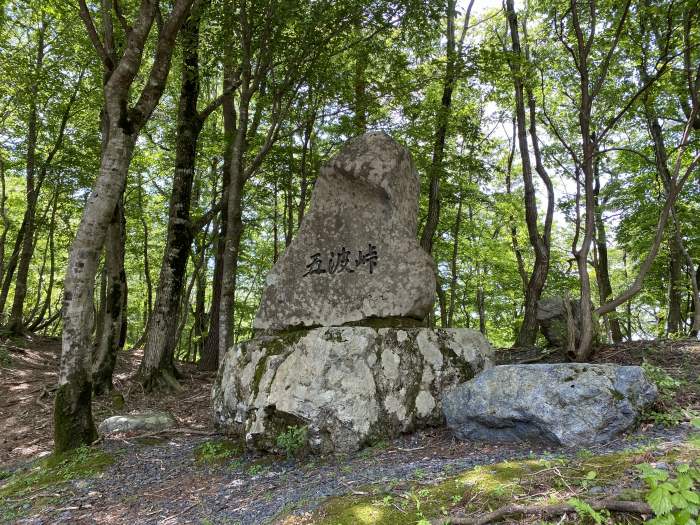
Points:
[[540, 242], [158, 367], [73, 423]]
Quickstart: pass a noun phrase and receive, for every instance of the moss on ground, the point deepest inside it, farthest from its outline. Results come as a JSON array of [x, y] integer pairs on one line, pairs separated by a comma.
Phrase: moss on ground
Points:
[[486, 487], [81, 463], [218, 451]]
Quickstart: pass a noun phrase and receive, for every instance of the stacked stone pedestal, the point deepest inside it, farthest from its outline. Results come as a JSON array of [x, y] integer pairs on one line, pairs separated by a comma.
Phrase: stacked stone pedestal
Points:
[[349, 386], [355, 261]]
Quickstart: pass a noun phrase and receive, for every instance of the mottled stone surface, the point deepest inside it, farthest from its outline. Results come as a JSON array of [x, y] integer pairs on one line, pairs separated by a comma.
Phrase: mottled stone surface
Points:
[[347, 385], [552, 317], [142, 422], [356, 255], [562, 404]]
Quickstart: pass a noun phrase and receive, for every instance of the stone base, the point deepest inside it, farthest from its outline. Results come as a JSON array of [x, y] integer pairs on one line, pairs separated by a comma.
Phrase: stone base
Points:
[[349, 386]]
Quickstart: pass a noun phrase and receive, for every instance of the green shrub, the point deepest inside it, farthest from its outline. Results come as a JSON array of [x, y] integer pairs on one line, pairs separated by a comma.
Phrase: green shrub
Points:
[[216, 451], [667, 385], [5, 359], [665, 411], [293, 440], [675, 500]]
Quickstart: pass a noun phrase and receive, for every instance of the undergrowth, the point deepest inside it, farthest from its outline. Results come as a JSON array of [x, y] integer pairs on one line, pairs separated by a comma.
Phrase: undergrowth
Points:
[[666, 411], [82, 463], [215, 452], [526, 482]]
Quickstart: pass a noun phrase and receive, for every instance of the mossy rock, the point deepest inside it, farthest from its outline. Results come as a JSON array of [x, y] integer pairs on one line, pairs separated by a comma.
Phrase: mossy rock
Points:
[[349, 386]]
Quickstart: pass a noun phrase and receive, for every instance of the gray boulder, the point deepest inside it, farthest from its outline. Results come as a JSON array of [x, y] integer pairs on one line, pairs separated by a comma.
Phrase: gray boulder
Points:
[[347, 385], [141, 422], [552, 317], [356, 255], [562, 404]]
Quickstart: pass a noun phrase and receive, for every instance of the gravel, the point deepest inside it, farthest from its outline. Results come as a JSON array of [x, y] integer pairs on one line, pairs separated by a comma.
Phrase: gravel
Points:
[[163, 483]]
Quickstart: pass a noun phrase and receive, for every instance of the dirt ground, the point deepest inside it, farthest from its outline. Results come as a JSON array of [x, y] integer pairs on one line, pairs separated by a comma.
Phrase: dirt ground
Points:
[[27, 385], [163, 480]]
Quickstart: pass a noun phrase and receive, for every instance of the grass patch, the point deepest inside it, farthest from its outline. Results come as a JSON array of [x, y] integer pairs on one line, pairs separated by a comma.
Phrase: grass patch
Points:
[[82, 463], [217, 452], [487, 487]]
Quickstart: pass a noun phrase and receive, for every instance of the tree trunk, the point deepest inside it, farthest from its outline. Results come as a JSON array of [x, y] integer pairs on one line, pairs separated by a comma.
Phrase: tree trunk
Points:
[[540, 243], [38, 318], [200, 317], [5, 221], [675, 277], [453, 265], [112, 323], [436, 169], [275, 224], [158, 367], [73, 424], [442, 302], [234, 231], [209, 360], [304, 172], [603, 271], [15, 323], [12, 264], [694, 284], [481, 307], [289, 198]]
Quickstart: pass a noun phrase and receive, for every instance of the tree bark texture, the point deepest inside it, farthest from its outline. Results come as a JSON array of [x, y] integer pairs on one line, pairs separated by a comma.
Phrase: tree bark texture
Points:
[[539, 242], [73, 424], [158, 366], [453, 265], [112, 329]]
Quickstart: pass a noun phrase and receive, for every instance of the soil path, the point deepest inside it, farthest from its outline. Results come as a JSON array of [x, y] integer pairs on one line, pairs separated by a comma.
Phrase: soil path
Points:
[[161, 478]]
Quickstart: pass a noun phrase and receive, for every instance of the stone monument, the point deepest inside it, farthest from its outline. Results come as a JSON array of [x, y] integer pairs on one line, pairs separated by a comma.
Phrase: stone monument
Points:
[[356, 256], [341, 346]]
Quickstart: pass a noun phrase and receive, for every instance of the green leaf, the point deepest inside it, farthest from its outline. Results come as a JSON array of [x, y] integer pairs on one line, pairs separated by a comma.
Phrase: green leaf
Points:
[[670, 487], [682, 517], [668, 519], [659, 499], [684, 482], [691, 497], [678, 501]]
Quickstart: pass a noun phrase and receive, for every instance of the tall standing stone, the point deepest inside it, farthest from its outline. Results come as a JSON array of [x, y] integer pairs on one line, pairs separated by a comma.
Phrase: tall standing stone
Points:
[[356, 255], [355, 259]]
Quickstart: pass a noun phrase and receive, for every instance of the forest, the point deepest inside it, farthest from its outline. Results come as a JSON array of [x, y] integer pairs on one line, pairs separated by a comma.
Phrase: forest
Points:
[[158, 157]]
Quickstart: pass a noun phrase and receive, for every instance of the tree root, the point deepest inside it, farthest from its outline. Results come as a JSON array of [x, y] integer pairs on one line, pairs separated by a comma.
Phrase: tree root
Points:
[[161, 380], [632, 507]]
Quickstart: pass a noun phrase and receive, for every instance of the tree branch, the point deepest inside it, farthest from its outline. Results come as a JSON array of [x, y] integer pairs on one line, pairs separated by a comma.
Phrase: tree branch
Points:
[[94, 37], [606, 61], [214, 104], [161, 61], [120, 16], [636, 507]]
